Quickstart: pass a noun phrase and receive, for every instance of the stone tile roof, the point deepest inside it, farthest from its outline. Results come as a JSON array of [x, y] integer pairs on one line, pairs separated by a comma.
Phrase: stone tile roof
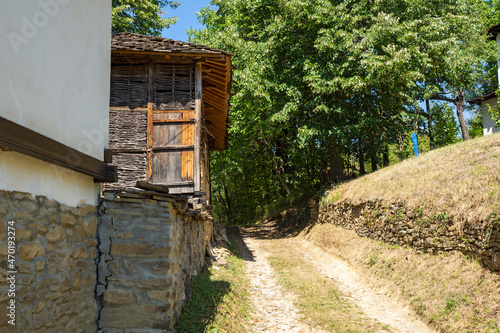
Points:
[[127, 41]]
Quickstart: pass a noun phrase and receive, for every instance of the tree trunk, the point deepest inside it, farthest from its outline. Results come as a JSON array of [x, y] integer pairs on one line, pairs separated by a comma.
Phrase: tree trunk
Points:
[[361, 158], [385, 156], [373, 158], [219, 206], [228, 214], [278, 168], [429, 125], [460, 104], [336, 171], [228, 201]]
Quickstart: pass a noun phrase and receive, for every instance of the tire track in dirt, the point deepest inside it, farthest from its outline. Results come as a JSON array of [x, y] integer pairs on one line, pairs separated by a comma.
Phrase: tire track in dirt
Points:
[[374, 304], [274, 311]]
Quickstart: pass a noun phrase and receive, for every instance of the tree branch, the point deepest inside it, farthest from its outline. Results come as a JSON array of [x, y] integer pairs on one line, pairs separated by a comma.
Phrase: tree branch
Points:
[[441, 98]]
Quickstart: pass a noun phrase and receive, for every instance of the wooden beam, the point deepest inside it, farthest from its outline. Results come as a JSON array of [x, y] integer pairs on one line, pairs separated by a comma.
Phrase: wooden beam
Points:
[[215, 56], [197, 125], [184, 120], [126, 108], [176, 147], [31, 143], [151, 68], [172, 111]]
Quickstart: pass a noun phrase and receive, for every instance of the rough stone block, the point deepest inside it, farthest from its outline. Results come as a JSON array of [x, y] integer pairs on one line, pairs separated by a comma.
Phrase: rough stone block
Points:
[[138, 249], [20, 215], [67, 219], [41, 229], [40, 265], [81, 253], [22, 234], [164, 296], [145, 282], [87, 209], [495, 261], [54, 234], [28, 251], [80, 233], [117, 297], [137, 316]]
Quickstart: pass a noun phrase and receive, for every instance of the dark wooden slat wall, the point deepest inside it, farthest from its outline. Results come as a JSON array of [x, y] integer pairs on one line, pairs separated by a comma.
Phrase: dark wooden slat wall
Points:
[[173, 89], [129, 86], [131, 168], [127, 129]]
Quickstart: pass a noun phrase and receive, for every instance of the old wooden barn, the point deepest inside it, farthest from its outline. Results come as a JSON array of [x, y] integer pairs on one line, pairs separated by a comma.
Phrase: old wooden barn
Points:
[[168, 109]]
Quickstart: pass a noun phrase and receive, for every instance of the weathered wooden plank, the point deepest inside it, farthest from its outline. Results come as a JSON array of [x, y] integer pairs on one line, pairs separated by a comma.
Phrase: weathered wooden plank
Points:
[[167, 167], [172, 111], [152, 187], [151, 82], [188, 156], [197, 126], [173, 121], [178, 147], [165, 134]]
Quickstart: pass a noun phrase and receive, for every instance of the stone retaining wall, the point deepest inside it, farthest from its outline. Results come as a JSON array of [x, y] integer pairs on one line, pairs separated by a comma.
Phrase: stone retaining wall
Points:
[[151, 248], [395, 224], [56, 271]]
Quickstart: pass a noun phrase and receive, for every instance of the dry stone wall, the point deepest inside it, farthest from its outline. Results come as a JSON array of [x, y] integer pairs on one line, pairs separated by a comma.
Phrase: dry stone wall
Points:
[[151, 248], [395, 224], [55, 264]]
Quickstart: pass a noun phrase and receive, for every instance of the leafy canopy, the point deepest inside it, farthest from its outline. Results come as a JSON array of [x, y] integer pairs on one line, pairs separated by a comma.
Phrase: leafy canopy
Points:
[[141, 16]]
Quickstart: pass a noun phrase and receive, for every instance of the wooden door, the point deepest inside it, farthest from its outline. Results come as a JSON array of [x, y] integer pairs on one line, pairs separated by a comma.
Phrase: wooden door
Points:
[[172, 147], [173, 150]]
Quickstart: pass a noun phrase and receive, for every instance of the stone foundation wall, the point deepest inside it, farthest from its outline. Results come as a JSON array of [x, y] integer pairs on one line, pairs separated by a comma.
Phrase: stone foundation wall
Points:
[[151, 247], [55, 264], [395, 224]]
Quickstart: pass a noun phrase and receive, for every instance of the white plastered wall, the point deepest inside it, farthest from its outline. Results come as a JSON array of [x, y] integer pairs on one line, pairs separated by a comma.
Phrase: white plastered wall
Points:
[[488, 123], [54, 70]]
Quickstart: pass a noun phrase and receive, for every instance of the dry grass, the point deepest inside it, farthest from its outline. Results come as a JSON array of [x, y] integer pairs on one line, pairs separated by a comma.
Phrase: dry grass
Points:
[[318, 298], [450, 291], [462, 179]]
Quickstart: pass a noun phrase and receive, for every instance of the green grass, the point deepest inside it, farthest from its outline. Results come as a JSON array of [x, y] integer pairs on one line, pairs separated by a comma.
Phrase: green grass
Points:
[[220, 301]]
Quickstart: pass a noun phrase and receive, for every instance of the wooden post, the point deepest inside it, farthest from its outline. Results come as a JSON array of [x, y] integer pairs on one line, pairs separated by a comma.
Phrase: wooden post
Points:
[[151, 68], [197, 126]]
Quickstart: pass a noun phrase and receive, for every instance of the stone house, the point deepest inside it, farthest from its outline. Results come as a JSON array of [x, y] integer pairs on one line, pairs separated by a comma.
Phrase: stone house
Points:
[[86, 254], [54, 65], [489, 100], [168, 109]]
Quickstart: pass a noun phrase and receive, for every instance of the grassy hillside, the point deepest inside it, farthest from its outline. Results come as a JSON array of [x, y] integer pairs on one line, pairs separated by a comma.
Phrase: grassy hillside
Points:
[[462, 180]]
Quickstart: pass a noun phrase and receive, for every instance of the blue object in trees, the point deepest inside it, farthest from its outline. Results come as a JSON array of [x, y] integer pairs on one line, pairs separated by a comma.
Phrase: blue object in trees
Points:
[[414, 139]]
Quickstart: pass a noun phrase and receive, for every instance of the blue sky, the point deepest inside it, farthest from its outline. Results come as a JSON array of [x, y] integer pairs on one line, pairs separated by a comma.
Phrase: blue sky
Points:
[[187, 18]]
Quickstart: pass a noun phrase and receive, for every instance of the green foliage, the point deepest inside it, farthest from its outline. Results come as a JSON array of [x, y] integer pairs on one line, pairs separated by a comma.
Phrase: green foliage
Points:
[[327, 89], [141, 16]]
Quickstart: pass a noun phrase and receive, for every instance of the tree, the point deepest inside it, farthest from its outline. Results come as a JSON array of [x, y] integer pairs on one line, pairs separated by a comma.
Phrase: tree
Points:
[[141, 16], [324, 83]]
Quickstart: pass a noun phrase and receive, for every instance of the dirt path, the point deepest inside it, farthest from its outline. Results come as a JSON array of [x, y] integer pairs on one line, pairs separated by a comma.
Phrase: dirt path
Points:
[[275, 311]]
